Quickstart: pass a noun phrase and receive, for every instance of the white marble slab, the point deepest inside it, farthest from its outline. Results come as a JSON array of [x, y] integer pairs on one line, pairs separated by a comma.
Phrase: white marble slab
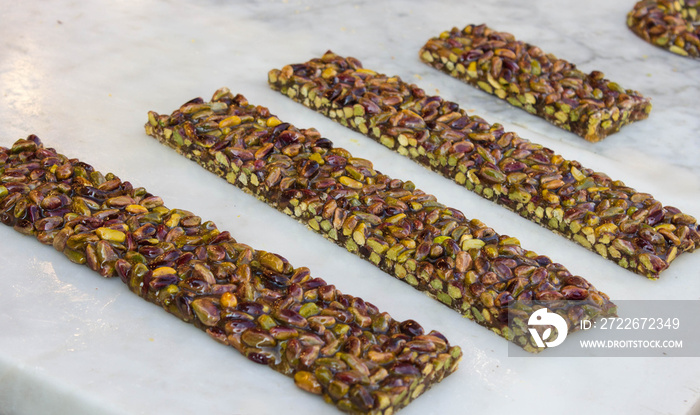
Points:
[[83, 74]]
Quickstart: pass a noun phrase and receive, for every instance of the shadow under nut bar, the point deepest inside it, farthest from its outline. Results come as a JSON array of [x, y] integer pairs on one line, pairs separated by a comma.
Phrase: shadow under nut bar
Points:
[[673, 25], [332, 344], [522, 74], [630, 228], [402, 230]]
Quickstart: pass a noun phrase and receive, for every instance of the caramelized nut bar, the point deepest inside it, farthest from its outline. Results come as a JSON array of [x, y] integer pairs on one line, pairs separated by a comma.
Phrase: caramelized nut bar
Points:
[[402, 230], [669, 24], [332, 344], [522, 74], [630, 228]]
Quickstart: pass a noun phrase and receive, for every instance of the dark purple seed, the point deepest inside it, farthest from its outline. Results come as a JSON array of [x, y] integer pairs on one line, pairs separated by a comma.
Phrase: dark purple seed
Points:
[[49, 223], [346, 100], [539, 158], [197, 100], [289, 137], [196, 285], [642, 244], [184, 258], [404, 369], [123, 267], [549, 295], [280, 128], [238, 315], [58, 212], [324, 143], [395, 344], [333, 93], [471, 55], [411, 328], [346, 78], [422, 251], [291, 317], [370, 107], [313, 283], [394, 382], [513, 166], [439, 336], [654, 217], [162, 281], [510, 64], [349, 377], [236, 326], [360, 396], [335, 160], [572, 292], [507, 74], [543, 261], [276, 281], [576, 281], [308, 168], [504, 299], [477, 288], [239, 153], [165, 260], [33, 213], [92, 193], [150, 251], [251, 308], [14, 187], [262, 358], [184, 305], [525, 296], [460, 122]]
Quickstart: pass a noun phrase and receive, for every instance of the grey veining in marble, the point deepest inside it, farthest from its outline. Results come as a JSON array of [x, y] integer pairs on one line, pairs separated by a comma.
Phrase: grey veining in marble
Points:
[[83, 74]]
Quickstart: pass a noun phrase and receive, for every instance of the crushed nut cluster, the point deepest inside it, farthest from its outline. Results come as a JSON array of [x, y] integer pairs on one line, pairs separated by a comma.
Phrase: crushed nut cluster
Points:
[[673, 25], [628, 227], [404, 231], [542, 84], [360, 359]]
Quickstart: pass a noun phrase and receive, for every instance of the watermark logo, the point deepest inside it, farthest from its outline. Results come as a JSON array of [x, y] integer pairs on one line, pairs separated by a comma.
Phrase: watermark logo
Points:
[[634, 328], [543, 317]]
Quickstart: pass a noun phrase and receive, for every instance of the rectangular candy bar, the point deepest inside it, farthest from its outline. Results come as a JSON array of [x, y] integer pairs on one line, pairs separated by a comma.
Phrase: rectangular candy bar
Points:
[[332, 344], [670, 25], [402, 230], [630, 228], [522, 74]]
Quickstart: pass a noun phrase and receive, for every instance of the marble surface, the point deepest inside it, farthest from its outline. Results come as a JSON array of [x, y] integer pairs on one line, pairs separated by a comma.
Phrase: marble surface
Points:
[[83, 74]]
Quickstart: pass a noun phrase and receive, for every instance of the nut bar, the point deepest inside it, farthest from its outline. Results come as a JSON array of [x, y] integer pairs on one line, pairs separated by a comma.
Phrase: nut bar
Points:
[[462, 263], [630, 228], [671, 25], [522, 74], [332, 344]]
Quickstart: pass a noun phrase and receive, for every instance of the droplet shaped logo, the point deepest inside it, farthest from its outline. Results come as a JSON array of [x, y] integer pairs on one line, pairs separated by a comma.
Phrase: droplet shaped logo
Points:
[[543, 317]]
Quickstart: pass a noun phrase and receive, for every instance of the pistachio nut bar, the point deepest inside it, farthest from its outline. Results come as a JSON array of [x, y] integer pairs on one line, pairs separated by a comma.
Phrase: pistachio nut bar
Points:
[[522, 74], [630, 228], [402, 230], [360, 359], [673, 25]]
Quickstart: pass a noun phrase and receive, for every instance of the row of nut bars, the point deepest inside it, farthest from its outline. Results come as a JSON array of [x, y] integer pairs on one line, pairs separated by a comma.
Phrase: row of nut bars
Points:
[[522, 74], [337, 345], [402, 230], [628, 227]]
